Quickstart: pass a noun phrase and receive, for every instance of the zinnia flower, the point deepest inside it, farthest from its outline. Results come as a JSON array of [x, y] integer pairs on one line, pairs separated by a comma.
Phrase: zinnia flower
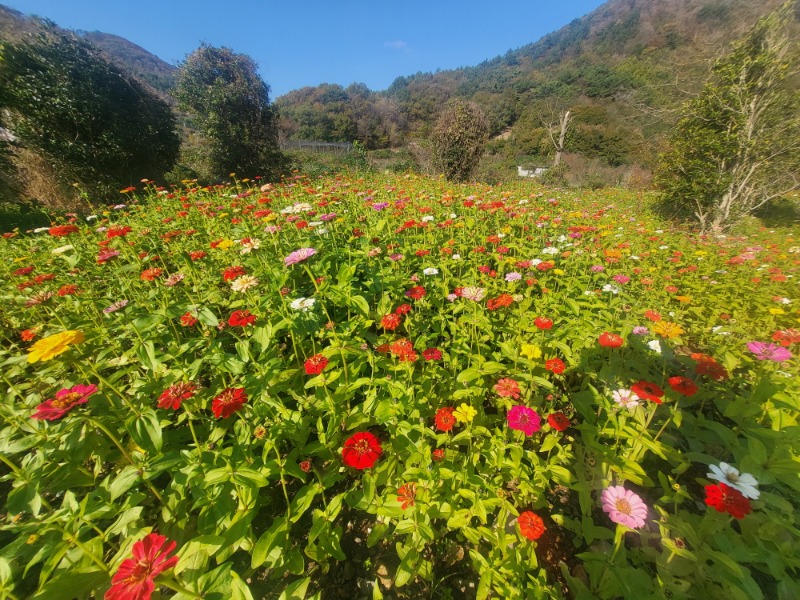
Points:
[[444, 418], [464, 413], [682, 385], [244, 283], [53, 345], [555, 365], [432, 354], [531, 525], [524, 419], [175, 394], [134, 578], [667, 330], [476, 294], [610, 340], [391, 321], [725, 498], [299, 256], [316, 364], [62, 230], [624, 507], [228, 402], [531, 351], [625, 398], [543, 323], [66, 399], [241, 318], [302, 304], [361, 450], [744, 482], [767, 351], [507, 388], [406, 495], [558, 421], [648, 391]]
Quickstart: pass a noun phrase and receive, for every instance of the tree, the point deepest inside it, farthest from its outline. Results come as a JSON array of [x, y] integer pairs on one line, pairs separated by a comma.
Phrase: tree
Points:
[[230, 105], [560, 124], [458, 139], [96, 125], [737, 145]]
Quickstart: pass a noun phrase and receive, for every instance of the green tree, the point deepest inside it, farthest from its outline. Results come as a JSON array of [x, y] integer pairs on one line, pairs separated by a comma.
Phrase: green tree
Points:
[[737, 145], [458, 140], [230, 105], [97, 126]]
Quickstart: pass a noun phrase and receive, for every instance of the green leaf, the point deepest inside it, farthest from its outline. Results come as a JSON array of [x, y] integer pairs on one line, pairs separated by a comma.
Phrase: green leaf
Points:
[[296, 590], [303, 499], [77, 582], [271, 540], [361, 305], [146, 431]]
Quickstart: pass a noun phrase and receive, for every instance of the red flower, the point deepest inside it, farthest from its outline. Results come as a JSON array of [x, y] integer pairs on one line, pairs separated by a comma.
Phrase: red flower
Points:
[[531, 525], [23, 271], [68, 290], [66, 399], [305, 466], [134, 578], [543, 323], [228, 402], [556, 365], [197, 255], [316, 364], [507, 388], [683, 385], [416, 293], [501, 301], [648, 391], [432, 354], [403, 309], [27, 334], [403, 350], [62, 230], [438, 455], [391, 321], [231, 273], [151, 274], [116, 231], [724, 498], [188, 319], [406, 494], [361, 450], [444, 419], [652, 315], [175, 394], [241, 318], [610, 340], [558, 421]]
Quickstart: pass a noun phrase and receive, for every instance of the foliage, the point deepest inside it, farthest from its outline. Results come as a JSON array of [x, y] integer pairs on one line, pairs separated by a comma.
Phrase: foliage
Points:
[[96, 125], [458, 140], [738, 143], [230, 105], [204, 357]]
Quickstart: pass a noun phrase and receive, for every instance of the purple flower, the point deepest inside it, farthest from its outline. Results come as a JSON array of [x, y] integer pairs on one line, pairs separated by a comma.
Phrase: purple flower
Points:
[[524, 419], [513, 276], [327, 217], [623, 506], [380, 205], [640, 330], [767, 351], [299, 256], [396, 257]]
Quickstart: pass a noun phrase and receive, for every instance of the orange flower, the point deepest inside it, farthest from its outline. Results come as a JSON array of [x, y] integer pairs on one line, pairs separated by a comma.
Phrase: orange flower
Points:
[[406, 494], [151, 274], [531, 525]]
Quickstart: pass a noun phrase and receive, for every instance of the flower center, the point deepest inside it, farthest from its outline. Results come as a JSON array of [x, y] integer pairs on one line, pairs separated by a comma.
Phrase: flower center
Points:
[[623, 506], [66, 400], [732, 477], [362, 446]]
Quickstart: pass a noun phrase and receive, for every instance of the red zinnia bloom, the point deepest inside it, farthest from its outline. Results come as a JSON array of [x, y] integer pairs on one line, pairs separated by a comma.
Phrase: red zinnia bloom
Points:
[[188, 319], [507, 388], [438, 455], [444, 419], [647, 391], [175, 394], [115, 231], [406, 494], [197, 255], [683, 385], [27, 334], [66, 399], [556, 365], [432, 354], [403, 350], [416, 293], [558, 421], [68, 290], [724, 498], [391, 321], [151, 274], [134, 578], [543, 323], [652, 315], [501, 301], [610, 340], [316, 364], [241, 318], [231, 273], [228, 402], [23, 271], [403, 309], [531, 525], [62, 230], [361, 450]]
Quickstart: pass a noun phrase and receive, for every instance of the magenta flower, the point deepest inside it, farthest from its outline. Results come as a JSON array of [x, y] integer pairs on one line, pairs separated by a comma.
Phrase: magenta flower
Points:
[[767, 351], [623, 506], [621, 279], [524, 419], [299, 256], [65, 400]]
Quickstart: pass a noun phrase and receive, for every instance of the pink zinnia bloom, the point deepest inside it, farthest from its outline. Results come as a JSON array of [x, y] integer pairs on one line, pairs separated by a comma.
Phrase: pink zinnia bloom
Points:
[[134, 578], [299, 256], [623, 506], [476, 294], [621, 279], [524, 419], [65, 400], [767, 351]]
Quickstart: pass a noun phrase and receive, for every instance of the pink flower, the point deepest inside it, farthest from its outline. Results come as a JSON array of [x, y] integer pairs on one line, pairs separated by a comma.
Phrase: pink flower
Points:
[[623, 506], [621, 279], [134, 578], [767, 351], [299, 256], [524, 419], [65, 400]]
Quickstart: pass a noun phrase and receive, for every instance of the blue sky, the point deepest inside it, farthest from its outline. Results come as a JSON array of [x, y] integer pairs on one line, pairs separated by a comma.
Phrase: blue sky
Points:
[[308, 42]]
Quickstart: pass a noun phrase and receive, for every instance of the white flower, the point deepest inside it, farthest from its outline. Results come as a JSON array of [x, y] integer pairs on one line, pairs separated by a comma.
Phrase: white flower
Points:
[[744, 482], [430, 271], [427, 219], [536, 261], [321, 230], [625, 398], [655, 346], [302, 304], [91, 217], [718, 330], [456, 257], [41, 229], [243, 283], [62, 249], [550, 250], [611, 288]]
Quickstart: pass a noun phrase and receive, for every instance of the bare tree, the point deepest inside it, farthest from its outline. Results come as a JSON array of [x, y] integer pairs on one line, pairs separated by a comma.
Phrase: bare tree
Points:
[[561, 125]]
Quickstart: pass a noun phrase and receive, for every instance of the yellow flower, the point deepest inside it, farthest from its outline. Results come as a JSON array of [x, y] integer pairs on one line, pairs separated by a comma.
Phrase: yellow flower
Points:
[[464, 413], [667, 330], [225, 244], [531, 351], [558, 272], [53, 345], [684, 299], [777, 311]]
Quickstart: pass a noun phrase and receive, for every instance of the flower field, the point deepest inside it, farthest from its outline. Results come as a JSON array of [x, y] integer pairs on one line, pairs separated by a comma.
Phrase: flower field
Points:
[[390, 386]]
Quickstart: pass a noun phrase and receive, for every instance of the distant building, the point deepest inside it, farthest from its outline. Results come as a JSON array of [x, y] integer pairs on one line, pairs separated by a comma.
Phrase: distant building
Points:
[[535, 172]]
